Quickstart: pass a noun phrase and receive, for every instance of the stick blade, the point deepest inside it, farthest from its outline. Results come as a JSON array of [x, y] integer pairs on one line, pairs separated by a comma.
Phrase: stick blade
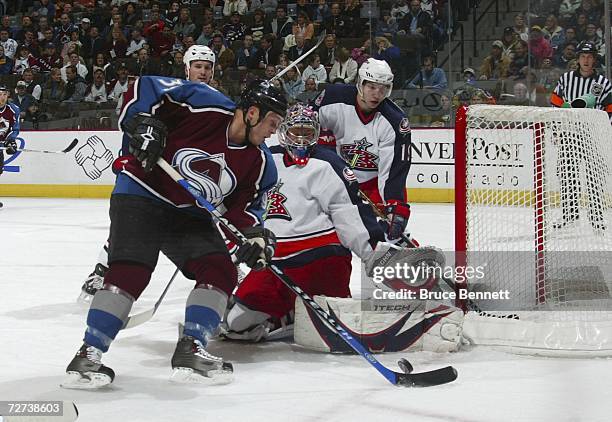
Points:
[[70, 147], [139, 319], [427, 379]]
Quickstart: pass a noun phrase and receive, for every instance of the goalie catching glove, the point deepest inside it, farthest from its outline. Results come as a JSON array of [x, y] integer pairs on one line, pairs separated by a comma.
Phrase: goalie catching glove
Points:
[[147, 139], [10, 146], [397, 214], [258, 250]]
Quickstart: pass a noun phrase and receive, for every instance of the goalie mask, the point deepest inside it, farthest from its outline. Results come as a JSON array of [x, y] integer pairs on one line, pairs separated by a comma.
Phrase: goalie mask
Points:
[[299, 133], [377, 71]]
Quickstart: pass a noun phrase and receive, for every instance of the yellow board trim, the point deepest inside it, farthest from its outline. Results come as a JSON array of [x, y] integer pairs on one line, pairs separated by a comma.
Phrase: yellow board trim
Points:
[[416, 195], [57, 191]]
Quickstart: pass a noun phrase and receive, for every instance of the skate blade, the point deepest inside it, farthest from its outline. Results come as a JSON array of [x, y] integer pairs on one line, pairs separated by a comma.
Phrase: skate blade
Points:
[[76, 381], [189, 376]]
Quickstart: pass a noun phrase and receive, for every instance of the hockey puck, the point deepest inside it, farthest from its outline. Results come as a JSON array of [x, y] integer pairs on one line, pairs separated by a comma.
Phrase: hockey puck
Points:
[[405, 366]]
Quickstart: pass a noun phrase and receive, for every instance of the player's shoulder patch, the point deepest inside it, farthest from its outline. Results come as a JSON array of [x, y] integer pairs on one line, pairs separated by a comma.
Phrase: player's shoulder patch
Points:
[[597, 89], [404, 126], [348, 175]]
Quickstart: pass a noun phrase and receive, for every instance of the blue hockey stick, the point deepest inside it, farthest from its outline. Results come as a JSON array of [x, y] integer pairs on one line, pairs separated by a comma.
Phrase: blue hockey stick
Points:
[[405, 378]]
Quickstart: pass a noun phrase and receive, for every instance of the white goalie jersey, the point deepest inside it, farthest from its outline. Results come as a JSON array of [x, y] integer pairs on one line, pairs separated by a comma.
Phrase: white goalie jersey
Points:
[[315, 212]]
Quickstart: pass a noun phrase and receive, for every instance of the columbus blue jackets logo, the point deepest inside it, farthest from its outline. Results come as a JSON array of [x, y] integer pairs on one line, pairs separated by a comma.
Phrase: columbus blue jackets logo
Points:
[[208, 172], [275, 207], [358, 156], [404, 126]]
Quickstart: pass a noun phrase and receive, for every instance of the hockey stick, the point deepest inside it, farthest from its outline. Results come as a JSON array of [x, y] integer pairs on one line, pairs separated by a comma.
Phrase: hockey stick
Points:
[[405, 378], [138, 319], [64, 151], [301, 58]]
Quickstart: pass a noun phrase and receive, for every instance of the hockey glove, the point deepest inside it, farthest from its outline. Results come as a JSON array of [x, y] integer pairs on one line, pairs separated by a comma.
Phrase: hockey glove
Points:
[[10, 146], [398, 214], [147, 139], [258, 250]]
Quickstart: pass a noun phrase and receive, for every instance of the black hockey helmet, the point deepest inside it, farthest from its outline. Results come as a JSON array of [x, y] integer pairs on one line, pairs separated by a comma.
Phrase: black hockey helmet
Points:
[[587, 47], [264, 95]]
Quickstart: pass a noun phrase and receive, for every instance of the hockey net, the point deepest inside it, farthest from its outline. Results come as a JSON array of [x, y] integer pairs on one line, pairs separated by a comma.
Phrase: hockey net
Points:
[[533, 211]]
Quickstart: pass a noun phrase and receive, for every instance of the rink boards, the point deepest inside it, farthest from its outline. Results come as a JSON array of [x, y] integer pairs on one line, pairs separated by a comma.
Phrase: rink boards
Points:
[[85, 172]]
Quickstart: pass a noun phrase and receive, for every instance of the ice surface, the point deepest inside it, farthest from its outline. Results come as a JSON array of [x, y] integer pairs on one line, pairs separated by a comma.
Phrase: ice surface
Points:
[[50, 245]]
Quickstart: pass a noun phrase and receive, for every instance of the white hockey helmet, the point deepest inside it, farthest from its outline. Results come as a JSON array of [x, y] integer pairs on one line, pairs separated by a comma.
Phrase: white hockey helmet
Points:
[[377, 71], [299, 132], [198, 52]]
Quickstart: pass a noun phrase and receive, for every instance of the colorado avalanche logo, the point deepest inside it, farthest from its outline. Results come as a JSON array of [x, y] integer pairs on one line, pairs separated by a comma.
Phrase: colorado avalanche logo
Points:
[[208, 172], [275, 207], [4, 127], [358, 156]]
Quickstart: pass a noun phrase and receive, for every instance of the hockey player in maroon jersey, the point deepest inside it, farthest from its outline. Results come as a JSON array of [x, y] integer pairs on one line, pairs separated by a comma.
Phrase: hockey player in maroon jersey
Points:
[[318, 219], [372, 135], [208, 140], [9, 126], [199, 63]]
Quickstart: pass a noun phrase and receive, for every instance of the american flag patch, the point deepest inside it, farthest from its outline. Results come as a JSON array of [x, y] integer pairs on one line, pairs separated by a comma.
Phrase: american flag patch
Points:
[[349, 175]]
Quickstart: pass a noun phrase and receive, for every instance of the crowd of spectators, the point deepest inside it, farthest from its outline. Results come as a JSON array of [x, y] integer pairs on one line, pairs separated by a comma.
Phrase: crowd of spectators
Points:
[[58, 53], [58, 56], [540, 47]]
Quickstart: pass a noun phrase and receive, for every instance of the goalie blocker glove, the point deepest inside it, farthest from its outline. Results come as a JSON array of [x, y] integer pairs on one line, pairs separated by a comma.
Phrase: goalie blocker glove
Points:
[[398, 214], [258, 250], [10, 146], [147, 139]]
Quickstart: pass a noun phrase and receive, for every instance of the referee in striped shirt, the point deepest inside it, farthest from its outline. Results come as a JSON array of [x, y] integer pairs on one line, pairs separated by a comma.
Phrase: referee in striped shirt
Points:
[[571, 87]]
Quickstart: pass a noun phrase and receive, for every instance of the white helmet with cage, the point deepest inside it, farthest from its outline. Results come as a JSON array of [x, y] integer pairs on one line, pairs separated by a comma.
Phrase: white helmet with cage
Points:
[[299, 132], [377, 71], [198, 52]]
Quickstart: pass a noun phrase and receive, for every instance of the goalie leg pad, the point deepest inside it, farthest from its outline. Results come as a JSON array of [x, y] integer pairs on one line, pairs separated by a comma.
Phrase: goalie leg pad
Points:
[[381, 326]]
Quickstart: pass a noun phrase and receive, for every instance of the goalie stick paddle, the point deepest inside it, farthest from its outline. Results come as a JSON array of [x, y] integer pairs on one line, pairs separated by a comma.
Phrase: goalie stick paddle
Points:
[[139, 319], [405, 378], [69, 148], [301, 58]]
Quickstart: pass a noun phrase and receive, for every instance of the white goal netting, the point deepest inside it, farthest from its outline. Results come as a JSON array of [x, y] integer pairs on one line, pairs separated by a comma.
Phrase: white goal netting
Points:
[[535, 212]]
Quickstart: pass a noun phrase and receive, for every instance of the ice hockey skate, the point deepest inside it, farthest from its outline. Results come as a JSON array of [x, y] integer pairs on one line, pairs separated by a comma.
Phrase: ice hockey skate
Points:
[[92, 284], [86, 370], [191, 363]]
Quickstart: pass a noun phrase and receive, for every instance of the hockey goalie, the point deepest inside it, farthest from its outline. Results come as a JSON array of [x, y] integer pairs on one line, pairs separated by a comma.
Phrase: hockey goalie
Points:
[[319, 221]]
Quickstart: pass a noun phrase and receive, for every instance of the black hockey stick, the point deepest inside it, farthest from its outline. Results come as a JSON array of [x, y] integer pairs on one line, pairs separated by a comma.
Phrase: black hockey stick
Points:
[[139, 319], [405, 378], [64, 151]]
